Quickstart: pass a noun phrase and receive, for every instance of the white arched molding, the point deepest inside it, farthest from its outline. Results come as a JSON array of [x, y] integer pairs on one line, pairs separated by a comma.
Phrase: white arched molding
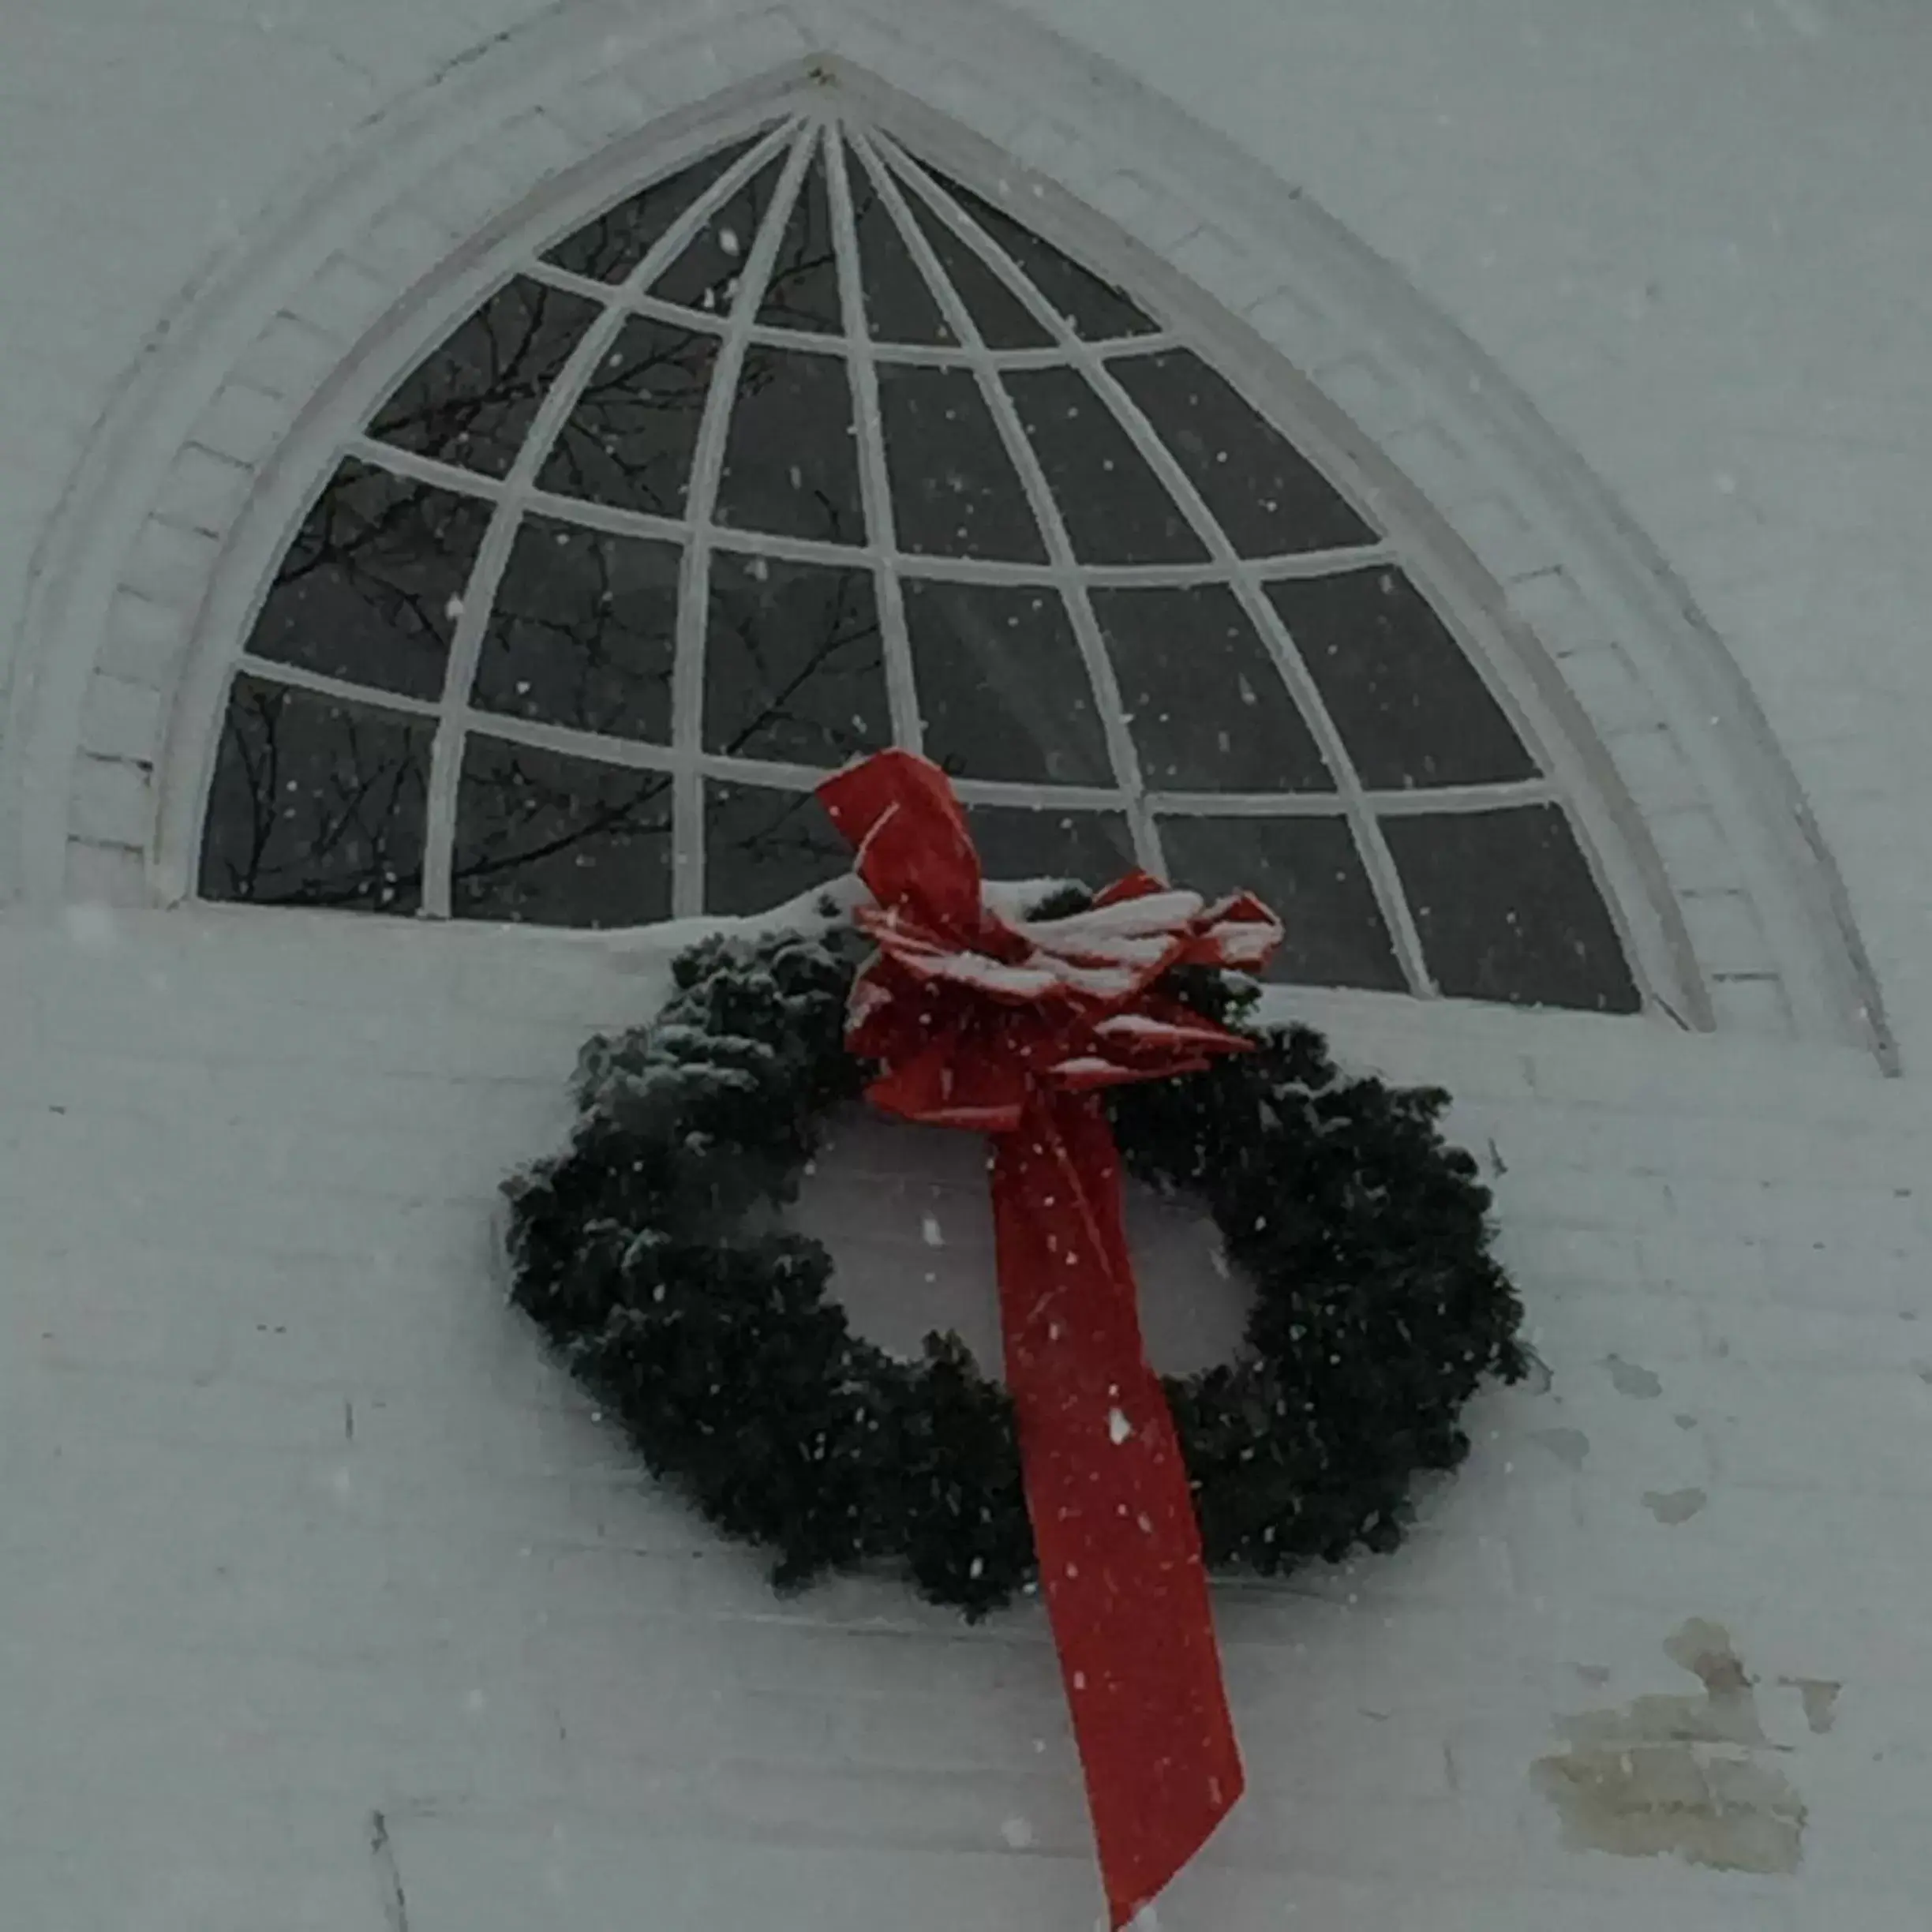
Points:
[[1732, 913]]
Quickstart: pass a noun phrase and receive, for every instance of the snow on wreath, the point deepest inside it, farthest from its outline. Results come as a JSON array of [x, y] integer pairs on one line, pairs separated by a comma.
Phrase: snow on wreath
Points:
[[652, 1253], [1102, 1028]]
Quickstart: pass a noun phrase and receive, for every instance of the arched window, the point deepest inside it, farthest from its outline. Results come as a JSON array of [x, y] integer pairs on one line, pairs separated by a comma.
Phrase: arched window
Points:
[[810, 448]]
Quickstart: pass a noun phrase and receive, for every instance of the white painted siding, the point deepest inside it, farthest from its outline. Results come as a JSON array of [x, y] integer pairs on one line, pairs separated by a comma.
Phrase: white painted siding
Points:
[[297, 1531]]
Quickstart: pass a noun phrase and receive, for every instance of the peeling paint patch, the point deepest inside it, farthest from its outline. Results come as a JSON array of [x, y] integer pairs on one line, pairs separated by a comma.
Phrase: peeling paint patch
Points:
[[1674, 1506], [1819, 1696], [1631, 1378], [1682, 1776]]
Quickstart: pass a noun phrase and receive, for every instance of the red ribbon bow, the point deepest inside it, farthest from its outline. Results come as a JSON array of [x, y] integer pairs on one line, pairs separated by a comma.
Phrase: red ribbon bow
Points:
[[1011, 1028]]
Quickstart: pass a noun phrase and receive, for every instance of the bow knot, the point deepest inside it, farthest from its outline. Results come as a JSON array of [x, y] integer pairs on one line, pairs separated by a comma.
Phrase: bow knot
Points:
[[972, 1013]]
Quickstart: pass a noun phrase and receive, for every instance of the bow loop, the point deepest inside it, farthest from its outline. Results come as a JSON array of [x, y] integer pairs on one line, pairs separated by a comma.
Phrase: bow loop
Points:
[[959, 999]]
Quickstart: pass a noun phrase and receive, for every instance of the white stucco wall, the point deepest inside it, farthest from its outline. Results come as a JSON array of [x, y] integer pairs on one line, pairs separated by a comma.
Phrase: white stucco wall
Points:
[[323, 1604]]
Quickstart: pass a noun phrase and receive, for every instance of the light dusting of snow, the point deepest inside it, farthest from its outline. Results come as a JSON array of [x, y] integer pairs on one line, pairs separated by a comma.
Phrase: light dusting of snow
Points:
[[931, 1233], [1086, 1066], [867, 998], [1119, 1428], [1017, 1832]]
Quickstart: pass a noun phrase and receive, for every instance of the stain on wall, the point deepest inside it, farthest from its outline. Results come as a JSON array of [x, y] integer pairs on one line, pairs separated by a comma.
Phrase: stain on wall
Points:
[[1819, 1695], [1569, 1446], [1674, 1506], [1633, 1378], [1688, 1776]]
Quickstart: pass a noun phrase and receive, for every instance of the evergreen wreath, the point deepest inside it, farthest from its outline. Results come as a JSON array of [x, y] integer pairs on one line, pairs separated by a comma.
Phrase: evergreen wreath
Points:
[[652, 1254]]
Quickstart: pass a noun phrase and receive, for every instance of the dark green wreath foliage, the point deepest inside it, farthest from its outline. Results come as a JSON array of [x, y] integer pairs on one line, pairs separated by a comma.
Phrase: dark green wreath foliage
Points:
[[652, 1253]]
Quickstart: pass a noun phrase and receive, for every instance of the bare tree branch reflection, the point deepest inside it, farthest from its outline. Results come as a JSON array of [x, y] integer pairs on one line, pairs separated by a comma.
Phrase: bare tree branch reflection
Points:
[[470, 402], [328, 802]]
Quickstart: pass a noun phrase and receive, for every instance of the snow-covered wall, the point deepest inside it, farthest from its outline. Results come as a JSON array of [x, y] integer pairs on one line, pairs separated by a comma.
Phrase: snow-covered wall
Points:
[[323, 1604]]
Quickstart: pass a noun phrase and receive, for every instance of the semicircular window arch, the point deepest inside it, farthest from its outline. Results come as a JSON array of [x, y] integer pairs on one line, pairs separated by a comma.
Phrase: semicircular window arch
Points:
[[810, 448]]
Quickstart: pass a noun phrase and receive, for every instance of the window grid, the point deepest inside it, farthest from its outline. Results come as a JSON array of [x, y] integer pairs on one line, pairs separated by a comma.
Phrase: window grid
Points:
[[700, 507], [512, 501], [1121, 752], [1391, 900], [638, 754], [844, 154], [622, 523]]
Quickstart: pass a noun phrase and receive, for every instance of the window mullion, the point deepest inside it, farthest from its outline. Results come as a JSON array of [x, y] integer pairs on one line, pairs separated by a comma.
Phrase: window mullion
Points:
[[700, 506], [972, 237], [874, 478], [1120, 751]]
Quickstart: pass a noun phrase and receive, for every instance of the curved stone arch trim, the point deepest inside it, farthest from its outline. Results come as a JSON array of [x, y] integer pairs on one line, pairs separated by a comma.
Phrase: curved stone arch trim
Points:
[[205, 466]]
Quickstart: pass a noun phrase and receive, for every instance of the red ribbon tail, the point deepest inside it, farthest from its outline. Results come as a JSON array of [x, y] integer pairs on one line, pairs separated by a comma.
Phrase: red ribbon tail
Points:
[[1113, 1517]]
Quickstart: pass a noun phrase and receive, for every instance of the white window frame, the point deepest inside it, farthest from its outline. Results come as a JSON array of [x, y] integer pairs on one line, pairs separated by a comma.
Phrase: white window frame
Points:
[[1731, 915]]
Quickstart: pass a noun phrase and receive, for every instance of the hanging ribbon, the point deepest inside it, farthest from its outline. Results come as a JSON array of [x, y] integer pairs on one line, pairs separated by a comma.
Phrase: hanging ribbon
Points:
[[1012, 1028]]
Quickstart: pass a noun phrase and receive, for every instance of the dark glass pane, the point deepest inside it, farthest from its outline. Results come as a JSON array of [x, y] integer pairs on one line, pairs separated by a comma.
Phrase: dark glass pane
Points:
[[764, 847], [609, 248], [998, 313], [955, 492], [900, 306], [1003, 692], [316, 803], [1507, 910], [1309, 874], [1264, 492], [707, 273], [471, 400], [803, 290], [372, 587], [1113, 504], [629, 439], [1097, 309], [791, 461], [794, 668], [549, 841], [1406, 700], [584, 632], [1093, 848], [1204, 701]]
